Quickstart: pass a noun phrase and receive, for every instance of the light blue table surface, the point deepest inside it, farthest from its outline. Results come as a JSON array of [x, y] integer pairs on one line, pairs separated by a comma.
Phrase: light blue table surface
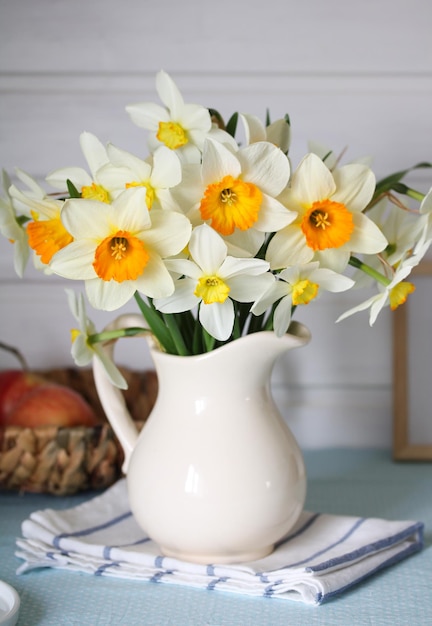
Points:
[[352, 482]]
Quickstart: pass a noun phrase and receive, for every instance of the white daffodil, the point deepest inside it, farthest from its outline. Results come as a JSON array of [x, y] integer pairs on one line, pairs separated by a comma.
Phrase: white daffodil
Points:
[[87, 184], [400, 227], [395, 292], [157, 175], [295, 286], [11, 228], [330, 224], [277, 133], [238, 193], [46, 232], [179, 126], [82, 349], [212, 280], [119, 248]]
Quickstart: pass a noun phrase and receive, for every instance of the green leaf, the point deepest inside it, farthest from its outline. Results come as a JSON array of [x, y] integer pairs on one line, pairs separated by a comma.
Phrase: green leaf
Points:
[[73, 191], [209, 341], [268, 120], [231, 126], [390, 182], [156, 325], [176, 335]]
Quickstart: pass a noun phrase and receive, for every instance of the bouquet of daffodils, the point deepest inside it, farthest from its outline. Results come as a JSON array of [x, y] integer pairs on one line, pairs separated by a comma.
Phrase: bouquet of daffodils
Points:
[[213, 238]]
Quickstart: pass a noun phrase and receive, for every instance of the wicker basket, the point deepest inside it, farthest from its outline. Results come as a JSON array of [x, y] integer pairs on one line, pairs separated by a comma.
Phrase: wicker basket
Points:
[[63, 461]]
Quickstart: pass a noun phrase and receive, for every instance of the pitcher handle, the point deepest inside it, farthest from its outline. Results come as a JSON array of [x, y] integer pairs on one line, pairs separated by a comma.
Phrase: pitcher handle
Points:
[[110, 396]]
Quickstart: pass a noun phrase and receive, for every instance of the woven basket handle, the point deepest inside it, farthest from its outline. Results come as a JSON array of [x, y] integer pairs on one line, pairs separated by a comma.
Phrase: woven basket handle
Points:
[[111, 397]]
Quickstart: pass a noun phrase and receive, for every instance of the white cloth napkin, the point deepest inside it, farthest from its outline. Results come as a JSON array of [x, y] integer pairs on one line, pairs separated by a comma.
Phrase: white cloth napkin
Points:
[[322, 556]]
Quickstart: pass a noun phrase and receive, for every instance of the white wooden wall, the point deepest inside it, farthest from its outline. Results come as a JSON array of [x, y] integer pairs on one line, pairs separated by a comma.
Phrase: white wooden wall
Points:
[[356, 74]]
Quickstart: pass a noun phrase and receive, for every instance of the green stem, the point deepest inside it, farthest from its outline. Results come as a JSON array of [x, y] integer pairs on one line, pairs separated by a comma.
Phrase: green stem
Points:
[[176, 335], [109, 335], [156, 325], [370, 271], [408, 191], [208, 340]]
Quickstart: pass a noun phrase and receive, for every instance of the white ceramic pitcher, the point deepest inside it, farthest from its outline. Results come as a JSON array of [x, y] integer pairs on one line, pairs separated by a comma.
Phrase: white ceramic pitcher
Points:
[[216, 474]]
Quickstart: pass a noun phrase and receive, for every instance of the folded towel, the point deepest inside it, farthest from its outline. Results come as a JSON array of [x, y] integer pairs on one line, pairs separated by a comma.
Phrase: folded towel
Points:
[[322, 556]]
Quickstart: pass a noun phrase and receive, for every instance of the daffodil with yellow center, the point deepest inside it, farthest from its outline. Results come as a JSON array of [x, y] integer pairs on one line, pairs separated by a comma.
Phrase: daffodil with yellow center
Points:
[[330, 223], [157, 175], [150, 192], [120, 248], [86, 182], [95, 192], [212, 280], [179, 126], [211, 289], [295, 286], [83, 349], [392, 292], [304, 291], [172, 134], [399, 294]]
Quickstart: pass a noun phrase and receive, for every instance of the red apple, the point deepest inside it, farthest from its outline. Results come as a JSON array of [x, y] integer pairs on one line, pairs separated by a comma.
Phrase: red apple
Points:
[[51, 404], [14, 385]]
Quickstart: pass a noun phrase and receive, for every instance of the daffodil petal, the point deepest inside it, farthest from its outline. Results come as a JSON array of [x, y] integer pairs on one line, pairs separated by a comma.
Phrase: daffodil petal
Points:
[[355, 185], [168, 92], [183, 298], [156, 281], [94, 152], [282, 316], [207, 248], [312, 180], [166, 168], [366, 237], [273, 215], [147, 114], [288, 248], [249, 288], [110, 368], [217, 319], [234, 267], [75, 261], [218, 162], [254, 129], [169, 232], [77, 175], [109, 295], [266, 166]]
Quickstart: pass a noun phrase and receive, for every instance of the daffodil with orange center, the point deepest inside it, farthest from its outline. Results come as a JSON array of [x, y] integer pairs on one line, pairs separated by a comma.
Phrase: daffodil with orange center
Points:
[[240, 190], [120, 248], [330, 224], [46, 234]]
